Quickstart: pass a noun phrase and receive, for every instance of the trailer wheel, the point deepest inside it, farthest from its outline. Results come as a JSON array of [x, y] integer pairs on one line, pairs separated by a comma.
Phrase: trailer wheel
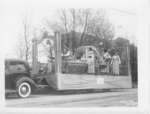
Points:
[[24, 89]]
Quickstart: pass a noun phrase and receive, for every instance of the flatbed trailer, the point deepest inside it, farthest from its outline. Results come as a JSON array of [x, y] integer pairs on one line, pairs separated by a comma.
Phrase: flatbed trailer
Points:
[[70, 81]]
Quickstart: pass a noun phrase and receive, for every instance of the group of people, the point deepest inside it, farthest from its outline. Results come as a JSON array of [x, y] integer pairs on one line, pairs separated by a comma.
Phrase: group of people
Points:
[[112, 62]]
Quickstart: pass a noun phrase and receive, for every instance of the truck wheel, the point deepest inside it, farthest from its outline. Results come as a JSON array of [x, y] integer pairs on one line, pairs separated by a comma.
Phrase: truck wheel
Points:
[[24, 89]]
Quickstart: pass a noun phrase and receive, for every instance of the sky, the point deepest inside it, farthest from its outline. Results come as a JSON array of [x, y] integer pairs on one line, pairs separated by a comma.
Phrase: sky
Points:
[[122, 16]]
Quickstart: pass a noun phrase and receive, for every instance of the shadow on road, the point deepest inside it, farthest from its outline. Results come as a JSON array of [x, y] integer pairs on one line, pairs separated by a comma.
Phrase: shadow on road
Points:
[[50, 91]]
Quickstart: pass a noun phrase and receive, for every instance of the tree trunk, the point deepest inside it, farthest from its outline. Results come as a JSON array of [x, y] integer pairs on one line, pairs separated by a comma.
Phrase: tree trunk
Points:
[[84, 30]]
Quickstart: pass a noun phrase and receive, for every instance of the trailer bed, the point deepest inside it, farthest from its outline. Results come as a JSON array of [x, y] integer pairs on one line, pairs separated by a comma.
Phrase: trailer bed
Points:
[[84, 81]]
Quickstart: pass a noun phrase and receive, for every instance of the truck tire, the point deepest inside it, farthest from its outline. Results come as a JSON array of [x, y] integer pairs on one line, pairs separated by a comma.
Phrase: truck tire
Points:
[[24, 89]]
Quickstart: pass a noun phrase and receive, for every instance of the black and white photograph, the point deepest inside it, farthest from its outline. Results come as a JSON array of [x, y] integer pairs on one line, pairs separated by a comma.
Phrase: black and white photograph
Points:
[[71, 56]]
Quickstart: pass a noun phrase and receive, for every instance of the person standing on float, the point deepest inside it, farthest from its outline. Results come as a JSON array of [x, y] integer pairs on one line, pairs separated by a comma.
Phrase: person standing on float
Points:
[[115, 64]]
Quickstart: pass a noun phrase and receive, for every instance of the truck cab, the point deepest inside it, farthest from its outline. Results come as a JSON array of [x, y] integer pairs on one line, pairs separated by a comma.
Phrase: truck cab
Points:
[[18, 78]]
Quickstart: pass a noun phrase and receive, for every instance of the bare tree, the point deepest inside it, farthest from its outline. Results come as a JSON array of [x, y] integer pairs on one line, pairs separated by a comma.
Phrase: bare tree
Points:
[[20, 49], [64, 20], [24, 44], [26, 39], [83, 21], [100, 26]]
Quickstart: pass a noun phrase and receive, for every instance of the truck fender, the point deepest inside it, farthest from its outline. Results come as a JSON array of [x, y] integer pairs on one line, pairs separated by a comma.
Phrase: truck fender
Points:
[[26, 79]]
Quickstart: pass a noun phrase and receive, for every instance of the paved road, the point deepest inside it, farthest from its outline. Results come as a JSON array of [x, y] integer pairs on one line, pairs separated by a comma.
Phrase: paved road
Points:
[[96, 98]]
